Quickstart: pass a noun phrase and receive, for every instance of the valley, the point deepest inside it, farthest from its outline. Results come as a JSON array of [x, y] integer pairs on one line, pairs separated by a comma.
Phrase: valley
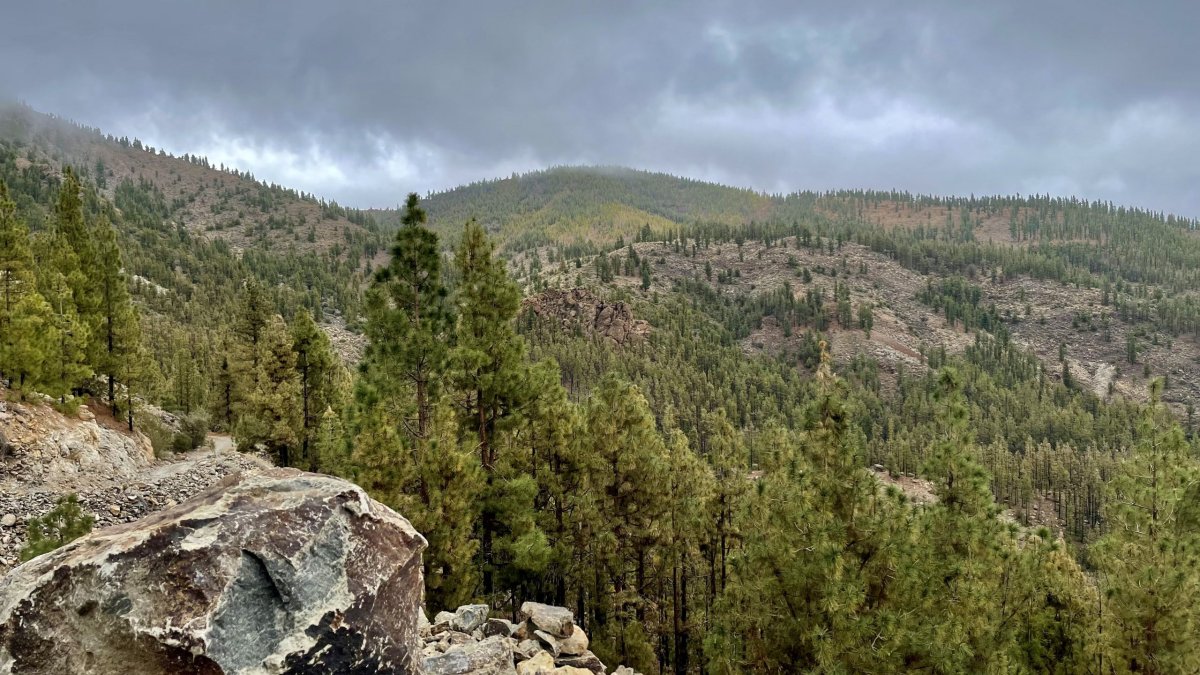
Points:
[[620, 393]]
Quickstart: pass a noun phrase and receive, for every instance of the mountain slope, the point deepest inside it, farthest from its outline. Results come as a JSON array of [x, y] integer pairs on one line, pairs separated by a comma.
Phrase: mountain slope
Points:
[[587, 205], [209, 201]]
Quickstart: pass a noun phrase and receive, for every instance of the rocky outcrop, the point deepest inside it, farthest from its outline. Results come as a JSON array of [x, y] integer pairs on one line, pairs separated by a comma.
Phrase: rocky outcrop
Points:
[[579, 309], [42, 446], [278, 572], [545, 641]]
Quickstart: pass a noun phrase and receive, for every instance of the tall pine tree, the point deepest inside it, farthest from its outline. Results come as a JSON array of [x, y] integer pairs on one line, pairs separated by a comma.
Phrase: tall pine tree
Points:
[[1150, 559], [316, 369], [114, 338], [488, 368]]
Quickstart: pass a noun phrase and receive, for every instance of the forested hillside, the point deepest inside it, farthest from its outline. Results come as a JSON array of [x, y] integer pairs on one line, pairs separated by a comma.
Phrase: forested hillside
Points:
[[856, 432], [210, 201]]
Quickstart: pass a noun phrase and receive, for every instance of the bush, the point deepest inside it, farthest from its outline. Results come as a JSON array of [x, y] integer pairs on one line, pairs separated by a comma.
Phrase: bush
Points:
[[161, 437], [193, 429], [64, 524]]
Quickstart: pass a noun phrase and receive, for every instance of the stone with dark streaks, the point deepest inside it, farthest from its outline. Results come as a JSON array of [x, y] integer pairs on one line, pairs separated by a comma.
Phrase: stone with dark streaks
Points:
[[278, 572]]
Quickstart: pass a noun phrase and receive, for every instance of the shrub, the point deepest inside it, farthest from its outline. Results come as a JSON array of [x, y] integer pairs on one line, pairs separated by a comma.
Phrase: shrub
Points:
[[65, 523], [195, 428], [161, 437]]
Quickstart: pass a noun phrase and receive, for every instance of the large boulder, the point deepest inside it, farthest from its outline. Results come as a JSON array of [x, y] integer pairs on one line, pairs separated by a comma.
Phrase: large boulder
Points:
[[557, 621], [278, 572]]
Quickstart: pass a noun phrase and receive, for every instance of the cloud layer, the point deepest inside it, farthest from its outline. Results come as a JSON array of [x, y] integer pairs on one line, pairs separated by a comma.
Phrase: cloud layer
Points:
[[364, 101]]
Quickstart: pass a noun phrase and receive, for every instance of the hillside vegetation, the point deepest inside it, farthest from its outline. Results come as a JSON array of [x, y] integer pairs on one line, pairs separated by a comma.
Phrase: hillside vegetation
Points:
[[698, 492]]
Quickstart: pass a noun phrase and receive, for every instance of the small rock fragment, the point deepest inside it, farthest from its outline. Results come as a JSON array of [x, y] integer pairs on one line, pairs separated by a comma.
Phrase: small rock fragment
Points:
[[502, 627], [586, 661], [574, 644], [490, 657], [526, 649], [539, 664]]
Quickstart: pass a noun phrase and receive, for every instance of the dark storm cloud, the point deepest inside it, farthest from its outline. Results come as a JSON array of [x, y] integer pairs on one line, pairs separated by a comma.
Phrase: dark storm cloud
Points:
[[365, 100]]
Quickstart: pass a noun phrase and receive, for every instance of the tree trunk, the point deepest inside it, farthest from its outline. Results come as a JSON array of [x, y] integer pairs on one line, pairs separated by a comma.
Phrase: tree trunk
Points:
[[681, 625]]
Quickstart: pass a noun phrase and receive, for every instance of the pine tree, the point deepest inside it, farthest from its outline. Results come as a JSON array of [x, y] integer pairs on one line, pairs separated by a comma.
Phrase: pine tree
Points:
[[114, 339], [328, 446], [1052, 607], [953, 576], [449, 511], [1150, 559], [549, 437], [410, 291], [722, 446], [138, 372], [487, 365], [29, 348], [76, 254], [241, 368], [224, 395], [316, 369], [68, 368], [16, 261], [16, 274], [627, 473], [253, 315], [689, 490], [270, 414], [810, 587]]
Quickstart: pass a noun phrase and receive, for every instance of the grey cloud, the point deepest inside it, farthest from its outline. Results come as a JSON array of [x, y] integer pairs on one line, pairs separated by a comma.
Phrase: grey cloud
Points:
[[363, 101]]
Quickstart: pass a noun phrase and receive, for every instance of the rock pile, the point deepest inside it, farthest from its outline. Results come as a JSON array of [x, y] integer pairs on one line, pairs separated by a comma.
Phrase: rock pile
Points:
[[278, 572], [468, 642]]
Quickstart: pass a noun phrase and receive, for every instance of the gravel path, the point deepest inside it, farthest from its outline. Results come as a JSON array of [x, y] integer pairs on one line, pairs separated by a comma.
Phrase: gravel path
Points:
[[162, 485]]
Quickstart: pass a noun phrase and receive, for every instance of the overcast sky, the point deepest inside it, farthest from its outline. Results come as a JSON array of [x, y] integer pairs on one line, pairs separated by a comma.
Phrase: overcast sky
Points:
[[364, 101]]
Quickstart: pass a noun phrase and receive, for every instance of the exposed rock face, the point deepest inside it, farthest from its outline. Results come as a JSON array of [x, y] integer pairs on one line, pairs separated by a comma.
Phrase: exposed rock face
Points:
[[40, 445], [278, 572], [580, 309]]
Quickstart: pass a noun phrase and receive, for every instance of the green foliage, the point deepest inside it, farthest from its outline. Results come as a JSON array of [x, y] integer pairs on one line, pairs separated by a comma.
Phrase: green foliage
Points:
[[269, 414], [700, 509], [408, 322], [16, 261], [162, 438], [490, 377], [65, 523], [1150, 559], [193, 430], [316, 374]]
